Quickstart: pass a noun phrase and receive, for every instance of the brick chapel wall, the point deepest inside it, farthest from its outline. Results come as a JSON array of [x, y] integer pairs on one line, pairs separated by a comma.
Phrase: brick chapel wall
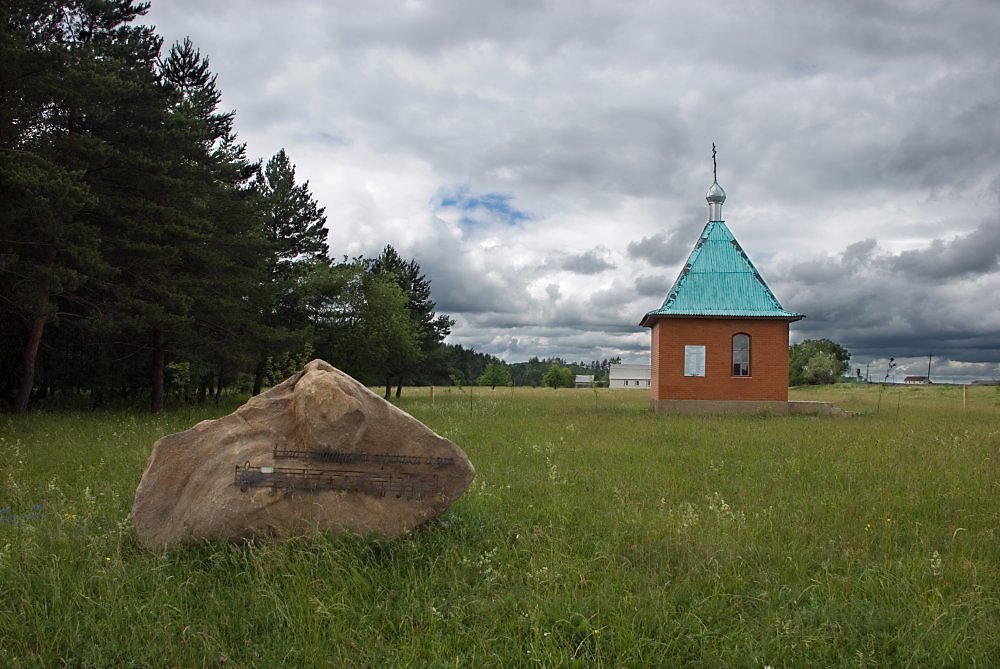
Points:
[[654, 364], [768, 378]]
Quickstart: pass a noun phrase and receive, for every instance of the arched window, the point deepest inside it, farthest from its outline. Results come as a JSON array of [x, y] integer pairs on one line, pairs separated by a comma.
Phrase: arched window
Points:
[[741, 354]]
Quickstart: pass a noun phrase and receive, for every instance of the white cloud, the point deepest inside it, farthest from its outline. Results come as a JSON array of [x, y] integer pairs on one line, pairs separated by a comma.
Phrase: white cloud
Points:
[[546, 162]]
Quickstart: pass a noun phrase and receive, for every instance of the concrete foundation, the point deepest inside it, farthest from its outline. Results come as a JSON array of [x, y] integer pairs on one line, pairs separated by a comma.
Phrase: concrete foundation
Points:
[[816, 409], [744, 408]]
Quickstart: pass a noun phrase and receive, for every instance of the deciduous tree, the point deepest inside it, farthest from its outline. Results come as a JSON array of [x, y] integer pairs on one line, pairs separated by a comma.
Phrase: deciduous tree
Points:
[[559, 376], [369, 331], [431, 328], [815, 361], [495, 374]]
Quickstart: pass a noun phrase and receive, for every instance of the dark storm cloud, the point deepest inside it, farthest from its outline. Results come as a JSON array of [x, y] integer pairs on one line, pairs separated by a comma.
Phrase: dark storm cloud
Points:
[[459, 287], [659, 250], [458, 292], [859, 252], [653, 286], [590, 262], [880, 304], [968, 255]]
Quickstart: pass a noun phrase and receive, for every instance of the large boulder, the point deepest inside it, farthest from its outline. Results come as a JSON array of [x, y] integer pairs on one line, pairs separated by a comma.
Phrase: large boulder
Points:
[[317, 452]]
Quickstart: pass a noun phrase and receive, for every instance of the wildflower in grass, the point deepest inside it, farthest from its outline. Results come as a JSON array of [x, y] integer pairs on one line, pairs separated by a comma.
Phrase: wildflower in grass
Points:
[[8, 517], [485, 566], [721, 508], [717, 504], [936, 569], [686, 515]]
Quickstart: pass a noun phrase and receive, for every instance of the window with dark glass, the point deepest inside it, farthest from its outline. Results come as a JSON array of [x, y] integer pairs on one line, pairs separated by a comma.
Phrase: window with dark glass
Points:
[[741, 355]]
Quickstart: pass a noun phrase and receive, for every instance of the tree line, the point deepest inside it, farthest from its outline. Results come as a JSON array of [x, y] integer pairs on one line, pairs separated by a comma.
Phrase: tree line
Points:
[[553, 372], [143, 253]]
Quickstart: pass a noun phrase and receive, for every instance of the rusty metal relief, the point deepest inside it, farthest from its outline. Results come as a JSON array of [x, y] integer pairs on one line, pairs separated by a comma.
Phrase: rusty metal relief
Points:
[[368, 476]]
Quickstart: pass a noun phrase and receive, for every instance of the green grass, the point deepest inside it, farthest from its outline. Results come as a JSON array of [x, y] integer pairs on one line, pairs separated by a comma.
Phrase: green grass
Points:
[[596, 534]]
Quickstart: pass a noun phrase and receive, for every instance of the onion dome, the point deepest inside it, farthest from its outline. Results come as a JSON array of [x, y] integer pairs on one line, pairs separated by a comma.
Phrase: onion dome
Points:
[[715, 194], [715, 197]]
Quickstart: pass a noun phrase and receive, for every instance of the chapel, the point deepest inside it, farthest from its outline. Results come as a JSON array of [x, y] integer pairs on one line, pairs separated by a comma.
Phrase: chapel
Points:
[[719, 342]]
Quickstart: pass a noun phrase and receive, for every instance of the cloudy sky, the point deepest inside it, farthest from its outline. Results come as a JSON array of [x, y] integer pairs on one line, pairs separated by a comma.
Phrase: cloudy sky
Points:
[[546, 162]]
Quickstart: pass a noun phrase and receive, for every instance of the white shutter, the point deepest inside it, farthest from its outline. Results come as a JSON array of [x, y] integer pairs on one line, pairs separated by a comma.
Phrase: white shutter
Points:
[[694, 361]]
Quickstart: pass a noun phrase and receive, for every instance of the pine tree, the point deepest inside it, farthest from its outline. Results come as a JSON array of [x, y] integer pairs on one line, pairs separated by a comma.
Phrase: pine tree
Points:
[[293, 226], [224, 270], [66, 68]]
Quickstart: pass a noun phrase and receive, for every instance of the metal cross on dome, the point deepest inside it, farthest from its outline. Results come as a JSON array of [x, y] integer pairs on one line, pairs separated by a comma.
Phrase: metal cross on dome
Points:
[[715, 167]]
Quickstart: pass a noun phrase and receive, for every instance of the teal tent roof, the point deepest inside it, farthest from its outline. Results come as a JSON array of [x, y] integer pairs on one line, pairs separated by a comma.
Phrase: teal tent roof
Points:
[[718, 280]]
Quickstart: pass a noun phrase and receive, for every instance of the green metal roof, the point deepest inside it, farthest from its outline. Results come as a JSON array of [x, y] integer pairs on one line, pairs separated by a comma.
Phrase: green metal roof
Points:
[[718, 280]]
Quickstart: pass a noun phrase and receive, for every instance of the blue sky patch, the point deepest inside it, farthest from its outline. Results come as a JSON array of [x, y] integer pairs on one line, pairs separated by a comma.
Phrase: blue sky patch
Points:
[[480, 208]]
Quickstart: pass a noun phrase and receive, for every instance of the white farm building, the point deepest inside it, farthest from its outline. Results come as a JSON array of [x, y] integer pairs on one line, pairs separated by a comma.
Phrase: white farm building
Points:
[[628, 376]]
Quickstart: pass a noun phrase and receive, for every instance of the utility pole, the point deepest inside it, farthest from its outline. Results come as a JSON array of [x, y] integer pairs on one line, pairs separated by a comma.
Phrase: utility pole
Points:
[[930, 356]]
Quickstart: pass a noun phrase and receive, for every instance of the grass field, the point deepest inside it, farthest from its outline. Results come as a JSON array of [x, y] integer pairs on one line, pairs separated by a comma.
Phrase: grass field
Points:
[[596, 534]]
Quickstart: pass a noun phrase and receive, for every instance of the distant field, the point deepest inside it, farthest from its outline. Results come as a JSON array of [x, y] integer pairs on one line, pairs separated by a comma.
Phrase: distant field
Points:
[[596, 534]]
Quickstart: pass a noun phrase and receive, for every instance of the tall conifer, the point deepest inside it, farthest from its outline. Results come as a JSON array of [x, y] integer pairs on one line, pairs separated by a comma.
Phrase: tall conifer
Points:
[[294, 227]]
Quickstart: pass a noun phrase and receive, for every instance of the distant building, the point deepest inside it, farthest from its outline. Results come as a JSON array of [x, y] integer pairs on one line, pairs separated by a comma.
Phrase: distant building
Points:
[[720, 340], [629, 376], [916, 380], [584, 380]]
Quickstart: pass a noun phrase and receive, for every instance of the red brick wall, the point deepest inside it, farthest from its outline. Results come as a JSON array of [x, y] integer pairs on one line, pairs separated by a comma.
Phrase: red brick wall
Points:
[[654, 362], [768, 378]]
